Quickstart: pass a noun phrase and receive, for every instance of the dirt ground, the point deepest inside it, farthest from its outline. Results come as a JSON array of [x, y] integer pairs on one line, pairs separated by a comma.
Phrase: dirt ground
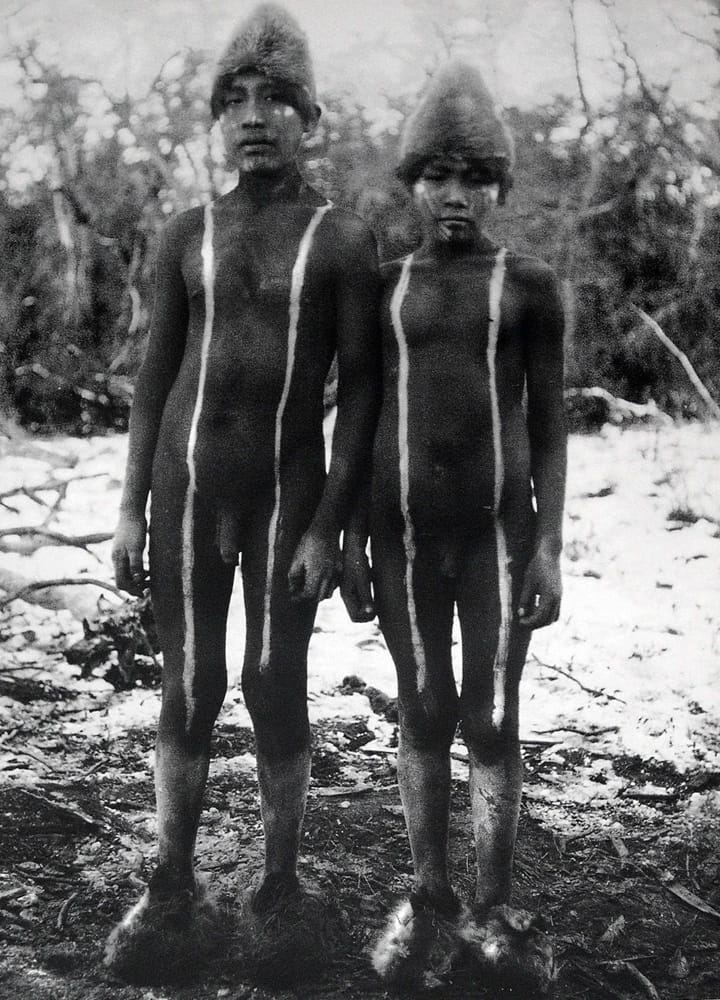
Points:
[[619, 841]]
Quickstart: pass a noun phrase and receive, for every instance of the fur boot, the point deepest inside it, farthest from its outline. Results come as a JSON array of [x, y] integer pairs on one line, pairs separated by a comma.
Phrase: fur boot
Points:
[[163, 939]]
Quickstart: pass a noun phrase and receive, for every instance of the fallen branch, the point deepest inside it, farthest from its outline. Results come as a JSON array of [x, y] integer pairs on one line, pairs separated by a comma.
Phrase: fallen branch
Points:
[[682, 358], [593, 691], [39, 537], [18, 588], [50, 485]]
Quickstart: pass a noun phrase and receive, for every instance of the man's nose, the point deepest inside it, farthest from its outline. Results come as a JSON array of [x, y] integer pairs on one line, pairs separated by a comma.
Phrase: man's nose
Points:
[[455, 194], [252, 114]]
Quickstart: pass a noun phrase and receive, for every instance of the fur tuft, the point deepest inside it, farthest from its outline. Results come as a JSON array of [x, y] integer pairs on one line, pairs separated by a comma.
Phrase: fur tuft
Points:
[[510, 946], [270, 42], [290, 942], [456, 116], [165, 940], [419, 947]]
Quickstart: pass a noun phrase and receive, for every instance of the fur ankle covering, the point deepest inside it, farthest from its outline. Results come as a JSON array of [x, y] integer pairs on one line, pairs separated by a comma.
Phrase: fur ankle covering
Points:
[[419, 946], [289, 942], [510, 945], [163, 939]]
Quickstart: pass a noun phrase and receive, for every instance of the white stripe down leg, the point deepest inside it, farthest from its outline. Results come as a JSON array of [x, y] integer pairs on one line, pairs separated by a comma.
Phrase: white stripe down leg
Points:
[[396, 304], [296, 288], [188, 553], [503, 568]]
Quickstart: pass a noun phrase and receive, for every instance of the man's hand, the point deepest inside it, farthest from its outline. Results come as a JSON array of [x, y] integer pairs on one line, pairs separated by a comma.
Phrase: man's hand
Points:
[[542, 590], [127, 553], [315, 569], [355, 585]]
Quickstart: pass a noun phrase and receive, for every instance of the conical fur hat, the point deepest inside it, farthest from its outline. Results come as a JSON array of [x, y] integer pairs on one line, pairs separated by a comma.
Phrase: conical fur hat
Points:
[[456, 115], [271, 42]]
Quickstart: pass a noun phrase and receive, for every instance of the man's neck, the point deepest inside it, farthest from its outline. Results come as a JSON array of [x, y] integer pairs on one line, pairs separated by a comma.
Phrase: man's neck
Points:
[[264, 189], [436, 248]]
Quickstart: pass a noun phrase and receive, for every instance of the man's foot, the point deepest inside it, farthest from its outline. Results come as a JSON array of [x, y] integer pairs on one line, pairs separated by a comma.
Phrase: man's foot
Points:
[[273, 891], [286, 932], [422, 942], [511, 945], [165, 936]]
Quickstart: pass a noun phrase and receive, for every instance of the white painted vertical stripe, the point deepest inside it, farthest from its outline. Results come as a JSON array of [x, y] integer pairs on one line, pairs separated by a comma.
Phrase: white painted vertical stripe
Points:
[[504, 579], [396, 304], [188, 555], [296, 288]]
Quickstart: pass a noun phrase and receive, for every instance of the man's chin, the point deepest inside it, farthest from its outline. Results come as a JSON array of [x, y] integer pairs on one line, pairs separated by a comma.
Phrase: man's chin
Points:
[[456, 232]]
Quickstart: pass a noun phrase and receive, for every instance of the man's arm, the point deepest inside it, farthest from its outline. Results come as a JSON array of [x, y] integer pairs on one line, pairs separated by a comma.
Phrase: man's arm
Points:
[[314, 571], [544, 359], [159, 369]]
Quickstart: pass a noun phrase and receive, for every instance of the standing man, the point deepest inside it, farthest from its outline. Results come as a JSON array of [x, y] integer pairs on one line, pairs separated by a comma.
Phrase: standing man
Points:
[[466, 513], [255, 294]]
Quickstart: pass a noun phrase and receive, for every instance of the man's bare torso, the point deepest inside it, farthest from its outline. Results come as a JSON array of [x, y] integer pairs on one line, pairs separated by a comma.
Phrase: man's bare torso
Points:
[[254, 358], [445, 323]]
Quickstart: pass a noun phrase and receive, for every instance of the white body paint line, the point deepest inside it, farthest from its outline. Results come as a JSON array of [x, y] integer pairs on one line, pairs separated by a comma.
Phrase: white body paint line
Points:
[[396, 304], [188, 556], [504, 578], [296, 287]]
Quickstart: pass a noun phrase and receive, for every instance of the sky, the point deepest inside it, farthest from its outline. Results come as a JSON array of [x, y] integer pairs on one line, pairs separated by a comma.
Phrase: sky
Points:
[[373, 48]]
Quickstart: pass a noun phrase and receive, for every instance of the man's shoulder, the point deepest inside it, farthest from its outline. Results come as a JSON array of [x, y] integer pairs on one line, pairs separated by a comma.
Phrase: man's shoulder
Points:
[[532, 270], [179, 227], [347, 225], [349, 240]]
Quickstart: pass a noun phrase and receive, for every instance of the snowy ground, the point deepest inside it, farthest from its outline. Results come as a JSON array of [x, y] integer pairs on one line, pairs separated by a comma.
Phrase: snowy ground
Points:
[[631, 668]]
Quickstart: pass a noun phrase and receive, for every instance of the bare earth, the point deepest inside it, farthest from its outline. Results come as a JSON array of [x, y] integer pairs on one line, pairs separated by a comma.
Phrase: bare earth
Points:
[[619, 844]]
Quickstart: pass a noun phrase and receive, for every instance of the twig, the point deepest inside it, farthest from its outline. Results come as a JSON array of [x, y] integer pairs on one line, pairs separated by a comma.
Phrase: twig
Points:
[[60, 582], [592, 691], [62, 808], [579, 732], [682, 358], [24, 752], [634, 973], [63, 912]]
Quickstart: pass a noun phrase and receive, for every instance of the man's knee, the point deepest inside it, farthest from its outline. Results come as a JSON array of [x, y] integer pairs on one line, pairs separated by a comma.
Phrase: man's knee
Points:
[[278, 709], [488, 740], [428, 724], [189, 710]]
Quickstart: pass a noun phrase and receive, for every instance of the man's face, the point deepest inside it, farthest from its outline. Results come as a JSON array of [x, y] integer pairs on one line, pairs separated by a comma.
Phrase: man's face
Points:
[[260, 128], [455, 195]]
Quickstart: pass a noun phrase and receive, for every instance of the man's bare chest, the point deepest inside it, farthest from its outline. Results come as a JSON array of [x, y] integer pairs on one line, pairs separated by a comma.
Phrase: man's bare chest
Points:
[[260, 262], [445, 310]]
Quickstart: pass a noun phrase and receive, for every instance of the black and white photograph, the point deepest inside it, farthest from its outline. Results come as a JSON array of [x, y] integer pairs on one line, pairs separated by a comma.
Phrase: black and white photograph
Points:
[[360, 499]]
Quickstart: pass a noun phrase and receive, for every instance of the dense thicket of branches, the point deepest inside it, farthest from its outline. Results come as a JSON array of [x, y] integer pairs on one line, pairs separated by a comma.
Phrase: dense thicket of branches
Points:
[[624, 205]]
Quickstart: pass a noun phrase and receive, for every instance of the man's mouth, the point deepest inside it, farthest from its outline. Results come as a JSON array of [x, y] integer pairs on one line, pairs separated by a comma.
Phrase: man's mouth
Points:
[[256, 145]]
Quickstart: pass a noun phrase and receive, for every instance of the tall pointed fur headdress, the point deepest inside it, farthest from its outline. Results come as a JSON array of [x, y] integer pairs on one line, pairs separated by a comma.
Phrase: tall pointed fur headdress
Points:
[[457, 116], [271, 42]]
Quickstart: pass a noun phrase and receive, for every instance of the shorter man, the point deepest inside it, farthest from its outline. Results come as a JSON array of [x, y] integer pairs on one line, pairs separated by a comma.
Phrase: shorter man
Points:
[[466, 513]]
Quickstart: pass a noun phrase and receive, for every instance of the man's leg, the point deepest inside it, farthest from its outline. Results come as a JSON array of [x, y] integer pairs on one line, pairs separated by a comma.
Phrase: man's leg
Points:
[[492, 667], [506, 943], [173, 926], [191, 594], [274, 683], [418, 632]]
